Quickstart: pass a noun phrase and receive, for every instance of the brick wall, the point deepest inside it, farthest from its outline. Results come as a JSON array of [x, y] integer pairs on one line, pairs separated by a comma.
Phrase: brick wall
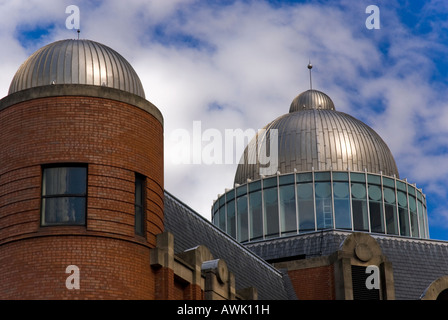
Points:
[[35, 268], [313, 283], [116, 140]]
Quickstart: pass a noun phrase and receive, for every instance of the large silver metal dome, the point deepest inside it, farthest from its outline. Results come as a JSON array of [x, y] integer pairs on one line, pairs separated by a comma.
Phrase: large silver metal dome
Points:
[[318, 137], [77, 62]]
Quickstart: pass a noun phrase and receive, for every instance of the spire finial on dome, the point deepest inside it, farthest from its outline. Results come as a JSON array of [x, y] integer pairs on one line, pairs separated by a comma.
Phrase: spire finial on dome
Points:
[[310, 66]]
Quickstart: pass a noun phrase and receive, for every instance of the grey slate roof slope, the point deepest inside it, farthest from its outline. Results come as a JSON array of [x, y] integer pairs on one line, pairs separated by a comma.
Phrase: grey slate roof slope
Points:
[[190, 230], [416, 262], [314, 244]]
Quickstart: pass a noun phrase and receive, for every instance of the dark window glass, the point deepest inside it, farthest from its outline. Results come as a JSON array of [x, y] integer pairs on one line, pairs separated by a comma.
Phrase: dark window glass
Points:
[[222, 219], [64, 192], [305, 177], [358, 177], [421, 220], [255, 215], [376, 209], [288, 210], [242, 226], [359, 204], [270, 182], [305, 207], [231, 222], [340, 176], [414, 219], [324, 213], [140, 204], [271, 217], [287, 179], [390, 211], [255, 186], [342, 205], [403, 213]]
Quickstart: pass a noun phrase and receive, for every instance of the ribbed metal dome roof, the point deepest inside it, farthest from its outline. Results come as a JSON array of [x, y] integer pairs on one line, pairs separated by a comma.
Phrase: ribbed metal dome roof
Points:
[[311, 99], [77, 62], [322, 138]]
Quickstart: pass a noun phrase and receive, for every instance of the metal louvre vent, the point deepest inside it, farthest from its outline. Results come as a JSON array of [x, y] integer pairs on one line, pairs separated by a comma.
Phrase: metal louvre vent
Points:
[[360, 290]]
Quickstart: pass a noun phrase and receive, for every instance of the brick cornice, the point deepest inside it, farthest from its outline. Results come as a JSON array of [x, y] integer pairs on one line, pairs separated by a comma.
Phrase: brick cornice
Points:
[[59, 90]]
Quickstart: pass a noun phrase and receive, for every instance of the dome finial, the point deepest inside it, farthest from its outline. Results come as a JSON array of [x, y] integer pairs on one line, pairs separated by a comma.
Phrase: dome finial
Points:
[[310, 66]]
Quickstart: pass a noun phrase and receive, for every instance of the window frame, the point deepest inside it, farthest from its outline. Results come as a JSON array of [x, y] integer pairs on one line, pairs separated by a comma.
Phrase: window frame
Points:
[[43, 197], [142, 179]]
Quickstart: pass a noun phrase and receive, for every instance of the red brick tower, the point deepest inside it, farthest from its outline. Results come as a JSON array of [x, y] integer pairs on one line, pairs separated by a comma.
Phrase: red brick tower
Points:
[[81, 177]]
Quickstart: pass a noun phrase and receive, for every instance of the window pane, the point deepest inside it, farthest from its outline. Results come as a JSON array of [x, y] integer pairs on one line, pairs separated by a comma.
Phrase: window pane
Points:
[[322, 176], [421, 220], [139, 204], [231, 225], [255, 186], [373, 179], [63, 210], [222, 218], [241, 190], [376, 209], [340, 176], [215, 219], [391, 210], [139, 191], [288, 209], [305, 207], [403, 213], [230, 195], [359, 204], [342, 205], [255, 215], [357, 177], [304, 177], [324, 214], [414, 219], [288, 179], [388, 182], [269, 182], [271, 217], [391, 219], [242, 219], [64, 181], [139, 227], [376, 217]]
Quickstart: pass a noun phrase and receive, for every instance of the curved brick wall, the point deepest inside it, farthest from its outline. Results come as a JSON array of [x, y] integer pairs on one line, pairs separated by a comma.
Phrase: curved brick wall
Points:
[[115, 139]]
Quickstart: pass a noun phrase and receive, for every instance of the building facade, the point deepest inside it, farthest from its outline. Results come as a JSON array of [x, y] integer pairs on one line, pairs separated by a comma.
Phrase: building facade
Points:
[[84, 213]]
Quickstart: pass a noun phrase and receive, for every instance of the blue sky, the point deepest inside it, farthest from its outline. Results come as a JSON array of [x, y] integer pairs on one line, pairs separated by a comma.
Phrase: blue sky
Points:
[[239, 64]]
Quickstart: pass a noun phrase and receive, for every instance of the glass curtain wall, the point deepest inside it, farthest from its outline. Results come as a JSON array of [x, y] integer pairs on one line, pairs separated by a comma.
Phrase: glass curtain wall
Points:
[[305, 202]]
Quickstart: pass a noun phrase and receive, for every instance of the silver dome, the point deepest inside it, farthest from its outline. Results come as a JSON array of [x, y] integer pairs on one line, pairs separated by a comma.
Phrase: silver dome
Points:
[[77, 62], [319, 138], [311, 99]]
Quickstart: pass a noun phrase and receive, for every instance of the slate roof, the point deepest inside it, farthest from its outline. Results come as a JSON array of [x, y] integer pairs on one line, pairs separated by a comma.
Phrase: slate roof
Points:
[[416, 262], [191, 229]]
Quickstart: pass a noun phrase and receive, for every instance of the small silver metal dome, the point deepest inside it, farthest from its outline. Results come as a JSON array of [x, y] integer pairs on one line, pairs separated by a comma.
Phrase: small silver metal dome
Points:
[[77, 62], [319, 138], [311, 99]]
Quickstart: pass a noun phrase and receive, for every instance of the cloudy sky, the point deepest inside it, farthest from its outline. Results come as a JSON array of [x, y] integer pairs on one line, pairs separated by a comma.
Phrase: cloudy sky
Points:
[[228, 65]]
